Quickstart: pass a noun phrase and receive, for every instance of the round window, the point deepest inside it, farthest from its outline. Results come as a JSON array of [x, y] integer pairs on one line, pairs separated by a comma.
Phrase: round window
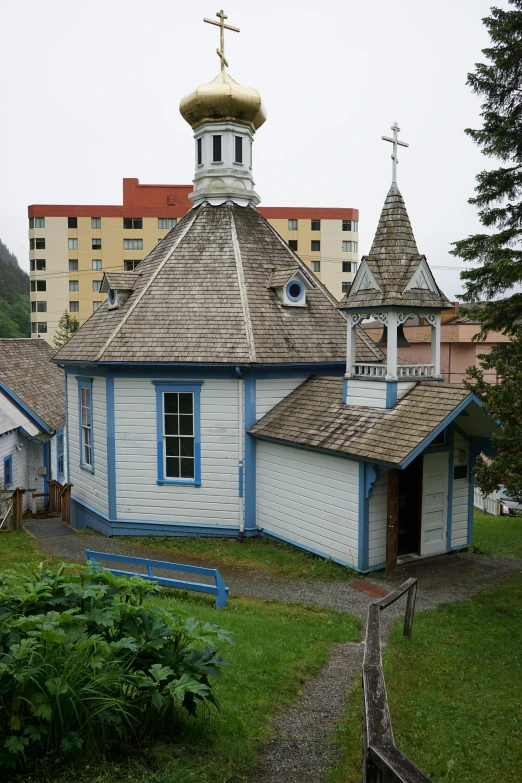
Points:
[[112, 296], [294, 291]]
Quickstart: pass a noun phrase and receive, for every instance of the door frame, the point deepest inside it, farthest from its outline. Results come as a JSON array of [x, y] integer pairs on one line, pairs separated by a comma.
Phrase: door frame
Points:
[[392, 519]]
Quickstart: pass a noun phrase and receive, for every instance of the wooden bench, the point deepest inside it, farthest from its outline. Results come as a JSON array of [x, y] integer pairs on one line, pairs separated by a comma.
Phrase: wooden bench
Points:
[[219, 589]]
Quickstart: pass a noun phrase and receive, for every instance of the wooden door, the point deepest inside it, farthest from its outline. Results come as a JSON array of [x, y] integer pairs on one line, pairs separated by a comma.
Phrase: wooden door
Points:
[[434, 503], [392, 519]]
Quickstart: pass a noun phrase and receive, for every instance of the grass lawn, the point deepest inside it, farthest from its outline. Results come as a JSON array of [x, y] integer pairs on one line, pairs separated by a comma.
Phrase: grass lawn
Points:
[[18, 547], [455, 692], [498, 535], [259, 553]]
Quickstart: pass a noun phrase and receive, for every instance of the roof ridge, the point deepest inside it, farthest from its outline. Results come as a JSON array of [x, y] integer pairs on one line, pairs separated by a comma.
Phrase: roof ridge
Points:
[[242, 287], [147, 286]]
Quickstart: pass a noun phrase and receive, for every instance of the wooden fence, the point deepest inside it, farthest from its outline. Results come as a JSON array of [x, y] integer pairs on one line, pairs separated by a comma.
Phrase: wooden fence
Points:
[[486, 503], [383, 762], [60, 499]]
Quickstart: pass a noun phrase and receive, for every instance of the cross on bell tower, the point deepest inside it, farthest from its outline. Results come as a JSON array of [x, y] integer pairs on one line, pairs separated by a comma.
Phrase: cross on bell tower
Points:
[[396, 143], [221, 24]]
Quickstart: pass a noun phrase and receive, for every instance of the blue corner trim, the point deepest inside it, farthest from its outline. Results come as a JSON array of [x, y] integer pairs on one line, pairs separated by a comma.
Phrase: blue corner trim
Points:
[[451, 445], [250, 453], [85, 383], [8, 471], [60, 449], [453, 415], [111, 447], [391, 394], [345, 390], [25, 409], [178, 386]]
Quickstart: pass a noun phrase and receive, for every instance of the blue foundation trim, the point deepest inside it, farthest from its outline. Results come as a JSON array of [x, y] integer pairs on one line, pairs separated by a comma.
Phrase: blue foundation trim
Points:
[[451, 445], [25, 409], [250, 454], [193, 387], [391, 394], [111, 447]]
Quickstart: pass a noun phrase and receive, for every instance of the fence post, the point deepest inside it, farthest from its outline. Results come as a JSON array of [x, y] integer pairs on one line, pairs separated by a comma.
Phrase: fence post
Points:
[[65, 496], [18, 505], [410, 610]]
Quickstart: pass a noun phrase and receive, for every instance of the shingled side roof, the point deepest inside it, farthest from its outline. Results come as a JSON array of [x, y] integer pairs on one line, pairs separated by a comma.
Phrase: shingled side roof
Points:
[[393, 260], [202, 295], [314, 415], [27, 371]]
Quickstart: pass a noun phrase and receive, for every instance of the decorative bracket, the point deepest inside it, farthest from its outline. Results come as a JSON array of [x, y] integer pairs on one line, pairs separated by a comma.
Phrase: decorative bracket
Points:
[[372, 474]]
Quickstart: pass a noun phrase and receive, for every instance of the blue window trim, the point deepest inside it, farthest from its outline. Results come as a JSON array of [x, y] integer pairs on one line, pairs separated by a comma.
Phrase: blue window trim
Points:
[[301, 290], [8, 461], [84, 383], [60, 476], [179, 386]]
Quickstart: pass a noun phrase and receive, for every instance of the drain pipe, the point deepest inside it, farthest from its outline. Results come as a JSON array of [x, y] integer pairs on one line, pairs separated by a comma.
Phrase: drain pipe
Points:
[[241, 452]]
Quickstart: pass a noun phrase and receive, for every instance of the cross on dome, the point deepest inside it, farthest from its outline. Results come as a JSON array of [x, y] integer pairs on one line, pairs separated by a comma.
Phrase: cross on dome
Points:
[[396, 143], [221, 24]]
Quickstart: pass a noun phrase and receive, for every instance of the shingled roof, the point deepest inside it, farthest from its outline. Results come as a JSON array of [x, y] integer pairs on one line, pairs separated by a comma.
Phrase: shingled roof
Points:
[[314, 415], [202, 295], [393, 261], [27, 371]]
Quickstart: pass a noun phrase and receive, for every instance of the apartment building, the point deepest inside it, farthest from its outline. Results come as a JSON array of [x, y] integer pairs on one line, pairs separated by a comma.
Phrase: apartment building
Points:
[[71, 246]]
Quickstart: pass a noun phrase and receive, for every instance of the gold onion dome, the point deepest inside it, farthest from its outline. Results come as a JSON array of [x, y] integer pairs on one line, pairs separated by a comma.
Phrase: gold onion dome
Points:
[[223, 99]]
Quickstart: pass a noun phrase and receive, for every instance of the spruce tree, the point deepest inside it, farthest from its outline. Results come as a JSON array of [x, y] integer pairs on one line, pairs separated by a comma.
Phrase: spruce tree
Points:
[[497, 252], [67, 325]]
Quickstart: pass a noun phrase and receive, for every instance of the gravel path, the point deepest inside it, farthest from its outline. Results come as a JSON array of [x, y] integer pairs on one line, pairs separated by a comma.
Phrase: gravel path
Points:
[[300, 751]]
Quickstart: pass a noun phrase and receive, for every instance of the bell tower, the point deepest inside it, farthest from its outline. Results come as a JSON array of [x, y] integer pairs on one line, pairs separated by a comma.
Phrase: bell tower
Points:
[[393, 284]]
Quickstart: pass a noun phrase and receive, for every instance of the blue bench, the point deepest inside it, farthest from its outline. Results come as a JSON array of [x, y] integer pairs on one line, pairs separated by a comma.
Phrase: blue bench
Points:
[[219, 589]]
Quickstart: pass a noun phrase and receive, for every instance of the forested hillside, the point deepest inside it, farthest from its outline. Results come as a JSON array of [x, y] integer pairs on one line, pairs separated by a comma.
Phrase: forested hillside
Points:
[[15, 318]]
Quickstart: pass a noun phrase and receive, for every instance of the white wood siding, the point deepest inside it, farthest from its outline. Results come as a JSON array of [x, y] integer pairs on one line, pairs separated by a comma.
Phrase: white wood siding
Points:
[[89, 487], [271, 391], [310, 499], [377, 516], [459, 514], [403, 387], [138, 496], [434, 503], [364, 392], [20, 457]]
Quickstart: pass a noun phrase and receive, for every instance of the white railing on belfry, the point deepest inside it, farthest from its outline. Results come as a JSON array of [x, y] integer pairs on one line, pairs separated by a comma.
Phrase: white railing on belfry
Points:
[[369, 370], [415, 370]]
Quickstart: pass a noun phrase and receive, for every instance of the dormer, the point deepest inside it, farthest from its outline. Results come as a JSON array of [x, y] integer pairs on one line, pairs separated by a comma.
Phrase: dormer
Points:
[[290, 286], [118, 286]]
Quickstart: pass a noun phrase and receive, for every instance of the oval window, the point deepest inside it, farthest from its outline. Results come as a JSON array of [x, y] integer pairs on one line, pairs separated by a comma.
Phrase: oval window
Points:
[[294, 290], [112, 296]]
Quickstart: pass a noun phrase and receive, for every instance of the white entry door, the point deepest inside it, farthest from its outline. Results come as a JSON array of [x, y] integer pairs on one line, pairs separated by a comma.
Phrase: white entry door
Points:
[[434, 503]]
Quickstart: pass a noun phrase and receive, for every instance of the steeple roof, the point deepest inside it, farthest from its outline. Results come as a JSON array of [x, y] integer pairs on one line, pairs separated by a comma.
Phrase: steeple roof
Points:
[[203, 295], [394, 273]]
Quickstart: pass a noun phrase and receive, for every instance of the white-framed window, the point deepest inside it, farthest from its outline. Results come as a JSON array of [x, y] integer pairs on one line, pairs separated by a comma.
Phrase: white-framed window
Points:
[[96, 286], [316, 266], [95, 305], [96, 264], [133, 244], [73, 243], [167, 222], [74, 286], [85, 405], [95, 222], [292, 225], [60, 461], [179, 449]]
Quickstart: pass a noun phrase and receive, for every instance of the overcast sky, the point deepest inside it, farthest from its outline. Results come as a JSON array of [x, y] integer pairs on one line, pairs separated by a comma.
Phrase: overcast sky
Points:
[[90, 94]]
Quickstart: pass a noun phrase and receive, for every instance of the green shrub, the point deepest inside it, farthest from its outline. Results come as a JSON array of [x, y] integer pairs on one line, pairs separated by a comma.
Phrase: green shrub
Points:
[[84, 664]]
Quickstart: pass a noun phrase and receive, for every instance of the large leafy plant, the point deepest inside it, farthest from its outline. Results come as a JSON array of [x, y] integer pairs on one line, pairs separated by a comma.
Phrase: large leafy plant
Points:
[[84, 663]]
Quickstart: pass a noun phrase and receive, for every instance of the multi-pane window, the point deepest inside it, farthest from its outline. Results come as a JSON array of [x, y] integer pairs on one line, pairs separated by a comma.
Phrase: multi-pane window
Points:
[[41, 307], [37, 264], [95, 305], [238, 149], [74, 307], [167, 222], [129, 266], [347, 266], [73, 265], [96, 285], [133, 244], [38, 285], [73, 244], [316, 266], [31, 222], [178, 435], [86, 425], [39, 222], [216, 149], [42, 327], [315, 245], [199, 149], [132, 223], [292, 225], [315, 225], [96, 243], [346, 287], [96, 264], [95, 222], [292, 244], [37, 244], [72, 222], [60, 462], [74, 285], [347, 225], [350, 247], [8, 471]]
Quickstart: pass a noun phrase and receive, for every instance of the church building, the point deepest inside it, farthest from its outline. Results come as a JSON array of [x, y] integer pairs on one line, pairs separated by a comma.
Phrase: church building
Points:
[[221, 390]]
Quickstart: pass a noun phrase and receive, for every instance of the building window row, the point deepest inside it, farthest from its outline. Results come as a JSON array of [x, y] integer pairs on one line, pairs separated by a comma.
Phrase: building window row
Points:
[[36, 222], [350, 247], [38, 285], [132, 223], [350, 225], [315, 225], [37, 264], [38, 307], [167, 222], [39, 327], [133, 244], [37, 243]]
